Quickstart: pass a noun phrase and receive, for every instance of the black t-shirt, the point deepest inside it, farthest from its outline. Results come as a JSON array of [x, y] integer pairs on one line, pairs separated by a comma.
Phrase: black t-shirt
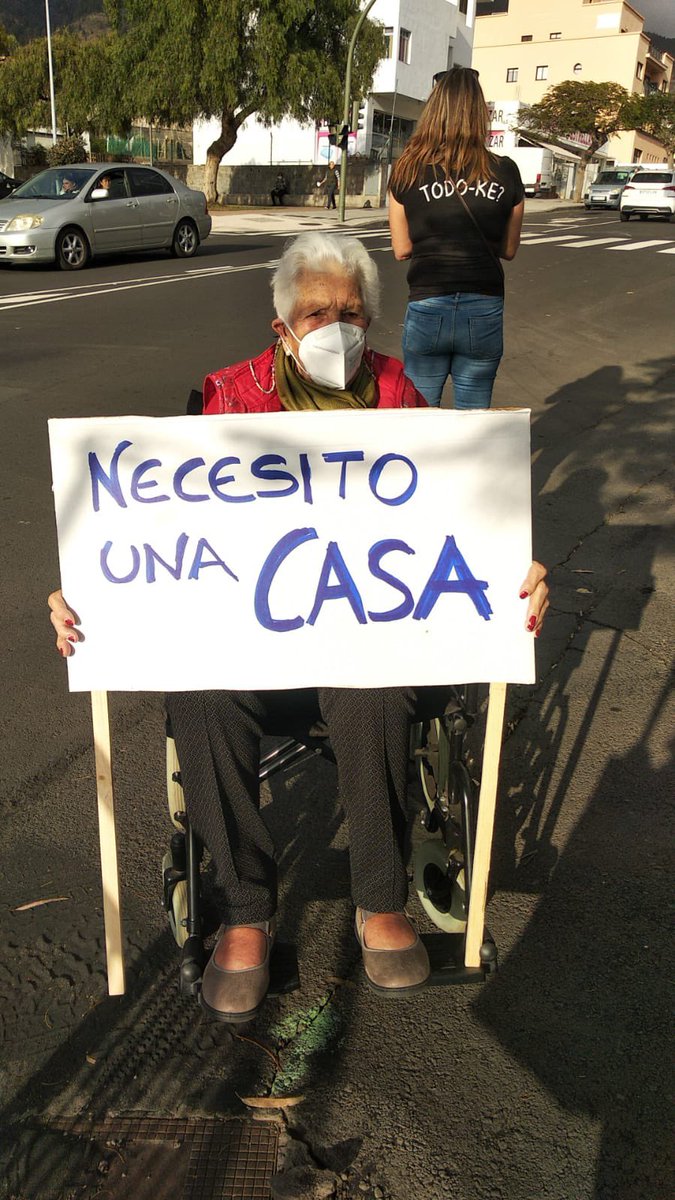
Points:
[[449, 255]]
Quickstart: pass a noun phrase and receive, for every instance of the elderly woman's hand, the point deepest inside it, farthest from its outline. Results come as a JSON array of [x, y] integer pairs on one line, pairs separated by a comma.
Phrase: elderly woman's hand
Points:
[[535, 588], [64, 622]]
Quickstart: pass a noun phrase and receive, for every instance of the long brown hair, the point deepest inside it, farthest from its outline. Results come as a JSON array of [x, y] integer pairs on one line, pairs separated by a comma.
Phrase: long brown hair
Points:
[[451, 133]]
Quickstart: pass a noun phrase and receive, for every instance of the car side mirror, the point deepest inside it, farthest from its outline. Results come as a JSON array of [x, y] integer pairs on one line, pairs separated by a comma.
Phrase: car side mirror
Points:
[[99, 194]]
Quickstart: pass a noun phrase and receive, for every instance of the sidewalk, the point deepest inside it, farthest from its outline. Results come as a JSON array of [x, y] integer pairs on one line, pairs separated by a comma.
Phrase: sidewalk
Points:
[[294, 219]]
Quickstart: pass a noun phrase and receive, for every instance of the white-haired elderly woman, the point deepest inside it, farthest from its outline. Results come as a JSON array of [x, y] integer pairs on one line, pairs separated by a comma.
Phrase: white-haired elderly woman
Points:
[[325, 295]]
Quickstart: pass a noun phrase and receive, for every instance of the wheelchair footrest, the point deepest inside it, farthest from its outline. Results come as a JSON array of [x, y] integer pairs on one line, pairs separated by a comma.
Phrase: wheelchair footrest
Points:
[[446, 955]]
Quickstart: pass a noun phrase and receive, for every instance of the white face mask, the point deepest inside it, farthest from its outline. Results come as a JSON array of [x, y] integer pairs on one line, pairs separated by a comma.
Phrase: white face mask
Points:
[[332, 354]]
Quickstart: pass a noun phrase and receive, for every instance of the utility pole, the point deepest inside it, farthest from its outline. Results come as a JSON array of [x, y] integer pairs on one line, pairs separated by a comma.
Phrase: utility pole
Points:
[[345, 110], [51, 71]]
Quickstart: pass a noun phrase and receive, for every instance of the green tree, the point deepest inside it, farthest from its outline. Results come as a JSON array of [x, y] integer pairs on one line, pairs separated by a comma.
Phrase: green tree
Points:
[[89, 81], [231, 58], [598, 110], [654, 114], [8, 43]]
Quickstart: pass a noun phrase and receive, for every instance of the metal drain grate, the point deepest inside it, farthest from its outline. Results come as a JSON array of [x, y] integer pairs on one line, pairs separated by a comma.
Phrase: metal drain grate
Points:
[[228, 1160], [237, 1166]]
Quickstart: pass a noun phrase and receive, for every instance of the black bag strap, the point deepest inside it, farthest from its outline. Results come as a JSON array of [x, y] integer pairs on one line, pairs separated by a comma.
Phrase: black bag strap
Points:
[[482, 236]]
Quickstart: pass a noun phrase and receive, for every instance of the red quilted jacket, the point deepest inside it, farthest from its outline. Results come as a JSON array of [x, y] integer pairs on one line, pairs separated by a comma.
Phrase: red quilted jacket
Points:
[[249, 386]]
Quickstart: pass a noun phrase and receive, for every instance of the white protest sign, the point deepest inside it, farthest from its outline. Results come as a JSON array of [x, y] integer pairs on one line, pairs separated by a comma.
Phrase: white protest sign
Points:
[[347, 549]]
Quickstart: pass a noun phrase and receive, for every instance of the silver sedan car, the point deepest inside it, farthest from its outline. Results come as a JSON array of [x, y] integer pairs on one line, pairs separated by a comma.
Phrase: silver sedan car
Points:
[[68, 214]]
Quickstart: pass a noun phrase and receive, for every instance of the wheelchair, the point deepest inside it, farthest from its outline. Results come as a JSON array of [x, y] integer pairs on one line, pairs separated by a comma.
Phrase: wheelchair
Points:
[[442, 859], [442, 853]]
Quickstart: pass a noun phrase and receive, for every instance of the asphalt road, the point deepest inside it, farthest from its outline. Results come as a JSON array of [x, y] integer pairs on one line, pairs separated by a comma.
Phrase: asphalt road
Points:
[[551, 1080]]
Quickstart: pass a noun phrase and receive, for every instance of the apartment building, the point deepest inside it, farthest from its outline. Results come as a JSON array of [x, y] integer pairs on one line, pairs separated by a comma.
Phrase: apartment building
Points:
[[423, 37], [524, 47]]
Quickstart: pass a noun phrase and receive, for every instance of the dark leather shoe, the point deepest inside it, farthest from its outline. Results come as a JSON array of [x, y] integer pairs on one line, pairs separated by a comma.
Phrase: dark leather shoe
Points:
[[393, 972], [235, 996]]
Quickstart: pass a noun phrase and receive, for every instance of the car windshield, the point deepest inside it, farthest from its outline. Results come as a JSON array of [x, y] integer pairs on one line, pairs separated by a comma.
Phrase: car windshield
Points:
[[57, 183], [613, 177], [653, 177]]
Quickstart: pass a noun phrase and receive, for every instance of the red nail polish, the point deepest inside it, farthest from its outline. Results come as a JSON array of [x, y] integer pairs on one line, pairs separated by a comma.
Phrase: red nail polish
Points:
[[71, 637], [523, 595], [531, 623], [537, 632], [69, 623]]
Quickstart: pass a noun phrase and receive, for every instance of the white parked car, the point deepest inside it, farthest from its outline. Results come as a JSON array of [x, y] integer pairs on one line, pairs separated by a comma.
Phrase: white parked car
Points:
[[68, 214], [649, 194]]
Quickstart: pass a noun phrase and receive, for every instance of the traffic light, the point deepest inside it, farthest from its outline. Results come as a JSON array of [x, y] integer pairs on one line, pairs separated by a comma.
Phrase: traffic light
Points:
[[344, 138]]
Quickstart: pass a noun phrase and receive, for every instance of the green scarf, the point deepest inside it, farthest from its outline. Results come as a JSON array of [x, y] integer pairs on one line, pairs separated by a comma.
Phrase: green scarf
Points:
[[298, 394]]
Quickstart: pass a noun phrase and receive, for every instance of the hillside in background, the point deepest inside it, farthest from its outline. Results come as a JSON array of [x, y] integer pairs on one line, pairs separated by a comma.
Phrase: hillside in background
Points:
[[26, 18]]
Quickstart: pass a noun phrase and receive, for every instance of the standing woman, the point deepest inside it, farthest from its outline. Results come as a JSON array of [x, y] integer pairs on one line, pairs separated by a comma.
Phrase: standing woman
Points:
[[455, 210]]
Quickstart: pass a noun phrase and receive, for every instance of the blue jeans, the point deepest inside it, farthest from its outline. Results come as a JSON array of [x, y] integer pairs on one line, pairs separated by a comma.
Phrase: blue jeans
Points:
[[459, 335]]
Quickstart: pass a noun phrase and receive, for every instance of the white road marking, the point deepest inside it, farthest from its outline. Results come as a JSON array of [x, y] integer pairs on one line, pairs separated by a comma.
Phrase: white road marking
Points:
[[671, 251], [643, 245], [597, 242], [87, 291], [541, 241]]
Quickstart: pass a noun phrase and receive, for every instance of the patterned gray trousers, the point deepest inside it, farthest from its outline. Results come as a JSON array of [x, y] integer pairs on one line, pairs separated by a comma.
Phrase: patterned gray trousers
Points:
[[218, 737]]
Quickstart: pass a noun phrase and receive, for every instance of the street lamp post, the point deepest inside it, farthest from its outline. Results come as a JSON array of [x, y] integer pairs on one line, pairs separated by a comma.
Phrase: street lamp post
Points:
[[345, 111], [51, 71]]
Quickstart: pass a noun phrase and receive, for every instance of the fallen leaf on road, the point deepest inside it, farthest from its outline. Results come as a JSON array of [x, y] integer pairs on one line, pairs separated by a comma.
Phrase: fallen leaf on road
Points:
[[91, 1060], [37, 903], [270, 1101]]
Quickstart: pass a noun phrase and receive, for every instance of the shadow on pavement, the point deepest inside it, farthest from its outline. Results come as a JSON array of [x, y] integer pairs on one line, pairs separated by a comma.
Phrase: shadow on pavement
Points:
[[581, 1000]]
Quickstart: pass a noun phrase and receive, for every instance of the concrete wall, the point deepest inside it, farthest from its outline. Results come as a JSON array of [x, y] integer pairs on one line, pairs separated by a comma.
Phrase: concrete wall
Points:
[[251, 184]]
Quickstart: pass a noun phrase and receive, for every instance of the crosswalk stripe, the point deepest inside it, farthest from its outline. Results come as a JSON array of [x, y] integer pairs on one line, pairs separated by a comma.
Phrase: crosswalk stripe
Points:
[[596, 242], [643, 245], [671, 251], [541, 241]]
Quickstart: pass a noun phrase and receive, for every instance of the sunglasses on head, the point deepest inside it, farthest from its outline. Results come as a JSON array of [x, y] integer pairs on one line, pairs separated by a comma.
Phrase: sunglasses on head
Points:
[[442, 74]]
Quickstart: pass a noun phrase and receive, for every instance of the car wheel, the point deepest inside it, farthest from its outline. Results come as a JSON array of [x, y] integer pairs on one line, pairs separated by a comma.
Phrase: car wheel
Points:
[[623, 216], [72, 249], [185, 240]]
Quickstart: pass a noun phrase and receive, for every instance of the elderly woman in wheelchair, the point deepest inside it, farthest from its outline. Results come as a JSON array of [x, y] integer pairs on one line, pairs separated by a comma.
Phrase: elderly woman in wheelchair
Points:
[[325, 295]]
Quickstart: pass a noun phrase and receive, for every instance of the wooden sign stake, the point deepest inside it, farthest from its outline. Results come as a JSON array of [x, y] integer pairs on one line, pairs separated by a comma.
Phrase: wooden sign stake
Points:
[[484, 829], [112, 917]]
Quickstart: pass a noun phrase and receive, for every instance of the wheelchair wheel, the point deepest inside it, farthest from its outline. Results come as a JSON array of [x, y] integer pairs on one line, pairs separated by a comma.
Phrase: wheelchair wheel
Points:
[[438, 875], [177, 910]]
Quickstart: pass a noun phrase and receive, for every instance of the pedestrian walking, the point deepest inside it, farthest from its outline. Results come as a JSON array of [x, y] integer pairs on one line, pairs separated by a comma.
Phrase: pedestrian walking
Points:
[[455, 211], [331, 180]]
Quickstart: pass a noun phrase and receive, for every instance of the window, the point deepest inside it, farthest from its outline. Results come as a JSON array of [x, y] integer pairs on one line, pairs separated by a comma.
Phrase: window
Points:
[[404, 45], [527, 37], [145, 182], [554, 37], [577, 68], [512, 75], [389, 41], [463, 6], [639, 69], [541, 73]]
